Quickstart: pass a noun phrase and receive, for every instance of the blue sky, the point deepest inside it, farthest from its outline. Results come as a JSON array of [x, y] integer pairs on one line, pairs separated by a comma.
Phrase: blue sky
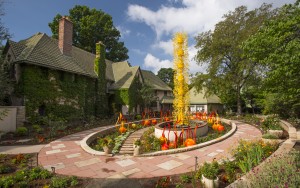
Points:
[[146, 26]]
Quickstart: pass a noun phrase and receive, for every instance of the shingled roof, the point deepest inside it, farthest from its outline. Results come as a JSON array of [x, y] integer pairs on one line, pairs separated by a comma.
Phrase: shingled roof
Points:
[[155, 81], [42, 50], [199, 98]]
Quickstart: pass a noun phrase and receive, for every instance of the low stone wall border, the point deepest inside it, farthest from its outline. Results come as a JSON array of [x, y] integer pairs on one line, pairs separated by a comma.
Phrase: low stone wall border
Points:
[[285, 147], [179, 150]]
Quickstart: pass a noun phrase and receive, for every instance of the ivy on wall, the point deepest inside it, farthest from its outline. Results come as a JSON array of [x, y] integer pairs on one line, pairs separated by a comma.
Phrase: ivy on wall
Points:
[[101, 96], [61, 94], [131, 96]]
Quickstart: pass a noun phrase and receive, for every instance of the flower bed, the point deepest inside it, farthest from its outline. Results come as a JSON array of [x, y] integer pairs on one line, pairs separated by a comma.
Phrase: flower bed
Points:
[[150, 143]]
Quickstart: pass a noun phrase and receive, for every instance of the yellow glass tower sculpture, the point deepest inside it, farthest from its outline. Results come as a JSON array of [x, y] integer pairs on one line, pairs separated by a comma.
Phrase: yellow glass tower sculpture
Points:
[[181, 97]]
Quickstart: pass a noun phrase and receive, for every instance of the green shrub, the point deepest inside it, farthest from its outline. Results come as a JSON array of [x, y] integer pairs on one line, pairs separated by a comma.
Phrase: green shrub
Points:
[[59, 182], [210, 170], [22, 131], [271, 123], [279, 171], [185, 178], [7, 181], [230, 170], [138, 117], [44, 174], [249, 154], [73, 181], [5, 169], [37, 128], [269, 136], [23, 184]]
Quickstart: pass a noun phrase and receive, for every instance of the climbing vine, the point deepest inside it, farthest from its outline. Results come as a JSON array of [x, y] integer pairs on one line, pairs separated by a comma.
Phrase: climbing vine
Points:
[[101, 96], [61, 94]]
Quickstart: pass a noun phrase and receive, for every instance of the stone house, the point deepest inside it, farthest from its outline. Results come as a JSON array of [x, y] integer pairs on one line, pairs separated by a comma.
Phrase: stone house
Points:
[[54, 77]]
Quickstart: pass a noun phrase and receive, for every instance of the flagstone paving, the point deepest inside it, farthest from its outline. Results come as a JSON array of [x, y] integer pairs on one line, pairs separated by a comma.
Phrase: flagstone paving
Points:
[[69, 158]]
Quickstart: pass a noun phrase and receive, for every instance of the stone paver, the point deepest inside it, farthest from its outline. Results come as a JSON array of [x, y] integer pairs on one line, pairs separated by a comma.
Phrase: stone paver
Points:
[[73, 160]]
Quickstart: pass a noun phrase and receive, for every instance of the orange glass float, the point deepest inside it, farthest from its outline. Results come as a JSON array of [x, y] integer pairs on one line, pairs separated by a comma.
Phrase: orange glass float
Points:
[[154, 121], [165, 146], [189, 142]]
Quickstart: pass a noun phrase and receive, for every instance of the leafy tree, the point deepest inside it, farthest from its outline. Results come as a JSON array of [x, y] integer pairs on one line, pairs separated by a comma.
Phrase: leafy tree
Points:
[[90, 27], [229, 70], [6, 85], [4, 33], [167, 75], [5, 82], [148, 95], [277, 47]]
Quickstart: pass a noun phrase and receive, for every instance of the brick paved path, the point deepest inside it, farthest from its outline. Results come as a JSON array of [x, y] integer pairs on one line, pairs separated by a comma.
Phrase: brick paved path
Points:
[[68, 158]]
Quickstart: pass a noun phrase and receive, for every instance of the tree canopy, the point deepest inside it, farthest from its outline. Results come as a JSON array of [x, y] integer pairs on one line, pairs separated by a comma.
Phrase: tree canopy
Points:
[[229, 70], [276, 46], [5, 81], [91, 26], [167, 76]]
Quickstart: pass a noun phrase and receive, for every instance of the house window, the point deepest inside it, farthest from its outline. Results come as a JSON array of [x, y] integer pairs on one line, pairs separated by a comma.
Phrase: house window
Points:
[[165, 93]]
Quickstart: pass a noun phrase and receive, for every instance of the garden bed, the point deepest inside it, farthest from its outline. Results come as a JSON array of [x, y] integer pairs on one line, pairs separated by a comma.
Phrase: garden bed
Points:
[[44, 132], [21, 171], [151, 146]]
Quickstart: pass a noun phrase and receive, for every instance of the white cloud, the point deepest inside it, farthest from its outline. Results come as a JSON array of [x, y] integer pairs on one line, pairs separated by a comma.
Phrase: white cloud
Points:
[[124, 31], [193, 17], [155, 64], [166, 46]]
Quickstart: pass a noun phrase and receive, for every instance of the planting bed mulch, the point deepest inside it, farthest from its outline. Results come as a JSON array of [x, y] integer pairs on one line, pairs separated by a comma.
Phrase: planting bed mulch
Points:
[[45, 134], [21, 171]]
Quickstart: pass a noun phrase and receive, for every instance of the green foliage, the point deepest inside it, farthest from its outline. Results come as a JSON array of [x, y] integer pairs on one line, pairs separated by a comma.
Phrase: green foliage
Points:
[[230, 170], [210, 170], [269, 136], [271, 123], [163, 182], [131, 96], [226, 60], [55, 95], [101, 97], [185, 178], [6, 83], [149, 141], [91, 26], [21, 131], [5, 169], [148, 95], [250, 154], [167, 76], [7, 181], [277, 48], [59, 182], [37, 128], [279, 171], [3, 113]]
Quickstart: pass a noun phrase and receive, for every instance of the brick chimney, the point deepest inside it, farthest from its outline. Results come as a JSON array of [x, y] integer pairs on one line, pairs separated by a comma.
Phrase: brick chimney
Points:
[[65, 36]]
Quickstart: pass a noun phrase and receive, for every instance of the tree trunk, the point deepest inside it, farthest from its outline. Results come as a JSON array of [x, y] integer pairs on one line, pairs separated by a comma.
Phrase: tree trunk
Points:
[[239, 104]]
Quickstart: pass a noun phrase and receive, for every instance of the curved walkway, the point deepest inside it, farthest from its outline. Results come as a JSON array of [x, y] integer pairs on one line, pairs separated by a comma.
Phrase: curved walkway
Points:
[[69, 158]]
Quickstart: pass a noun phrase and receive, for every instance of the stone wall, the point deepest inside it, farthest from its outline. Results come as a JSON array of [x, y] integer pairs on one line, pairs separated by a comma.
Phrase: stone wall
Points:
[[14, 117]]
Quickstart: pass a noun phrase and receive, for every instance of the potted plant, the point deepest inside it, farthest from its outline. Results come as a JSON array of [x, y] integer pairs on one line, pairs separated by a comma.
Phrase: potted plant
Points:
[[107, 144], [136, 146], [209, 174]]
